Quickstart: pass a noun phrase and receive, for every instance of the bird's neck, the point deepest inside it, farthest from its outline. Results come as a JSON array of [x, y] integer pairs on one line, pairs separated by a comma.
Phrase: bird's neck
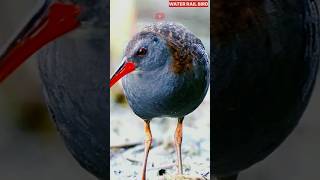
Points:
[[157, 73]]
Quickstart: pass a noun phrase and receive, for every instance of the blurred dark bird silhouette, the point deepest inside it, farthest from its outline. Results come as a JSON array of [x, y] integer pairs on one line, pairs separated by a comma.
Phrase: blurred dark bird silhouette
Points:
[[165, 73], [265, 61], [73, 70]]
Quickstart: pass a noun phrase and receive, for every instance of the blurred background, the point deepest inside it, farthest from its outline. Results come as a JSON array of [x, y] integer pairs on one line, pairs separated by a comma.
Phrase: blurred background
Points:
[[30, 147], [127, 135]]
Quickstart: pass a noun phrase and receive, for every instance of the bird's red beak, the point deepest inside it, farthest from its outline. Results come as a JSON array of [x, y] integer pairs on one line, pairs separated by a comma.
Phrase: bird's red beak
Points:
[[125, 68], [50, 23]]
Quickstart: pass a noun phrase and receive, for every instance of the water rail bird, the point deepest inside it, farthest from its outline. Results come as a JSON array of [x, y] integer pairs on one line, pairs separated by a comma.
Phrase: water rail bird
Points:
[[265, 61], [165, 73], [73, 70]]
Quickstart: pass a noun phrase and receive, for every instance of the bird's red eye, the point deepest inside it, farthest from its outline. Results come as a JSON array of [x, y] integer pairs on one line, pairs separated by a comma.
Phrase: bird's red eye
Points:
[[142, 51]]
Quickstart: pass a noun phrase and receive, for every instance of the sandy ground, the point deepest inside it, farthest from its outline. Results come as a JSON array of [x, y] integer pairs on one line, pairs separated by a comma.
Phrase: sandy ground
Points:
[[127, 129]]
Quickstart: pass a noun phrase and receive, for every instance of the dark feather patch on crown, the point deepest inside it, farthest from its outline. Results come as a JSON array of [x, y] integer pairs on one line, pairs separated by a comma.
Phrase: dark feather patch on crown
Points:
[[180, 41]]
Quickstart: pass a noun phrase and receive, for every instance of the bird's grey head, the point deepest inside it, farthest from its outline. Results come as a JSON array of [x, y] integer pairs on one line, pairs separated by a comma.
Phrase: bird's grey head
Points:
[[147, 51], [161, 46]]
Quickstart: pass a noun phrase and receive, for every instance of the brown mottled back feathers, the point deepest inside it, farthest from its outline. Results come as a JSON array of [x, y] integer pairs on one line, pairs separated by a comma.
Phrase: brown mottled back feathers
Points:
[[182, 43]]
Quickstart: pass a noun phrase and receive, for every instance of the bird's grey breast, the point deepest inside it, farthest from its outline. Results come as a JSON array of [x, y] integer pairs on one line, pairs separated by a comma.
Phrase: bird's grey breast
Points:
[[164, 93], [73, 71]]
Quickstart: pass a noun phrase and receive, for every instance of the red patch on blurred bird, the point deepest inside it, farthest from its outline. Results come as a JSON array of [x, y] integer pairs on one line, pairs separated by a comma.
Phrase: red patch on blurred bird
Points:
[[159, 16]]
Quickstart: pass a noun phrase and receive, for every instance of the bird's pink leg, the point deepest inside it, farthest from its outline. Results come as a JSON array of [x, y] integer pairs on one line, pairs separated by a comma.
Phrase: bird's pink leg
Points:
[[178, 141], [147, 143]]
